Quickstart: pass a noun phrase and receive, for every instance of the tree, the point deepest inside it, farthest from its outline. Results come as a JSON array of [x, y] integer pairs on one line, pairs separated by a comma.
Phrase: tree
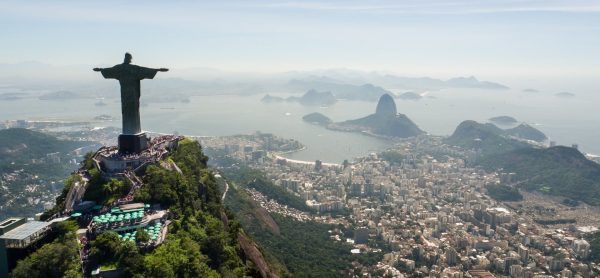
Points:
[[178, 257], [87, 162], [141, 235], [105, 247], [130, 259], [57, 259]]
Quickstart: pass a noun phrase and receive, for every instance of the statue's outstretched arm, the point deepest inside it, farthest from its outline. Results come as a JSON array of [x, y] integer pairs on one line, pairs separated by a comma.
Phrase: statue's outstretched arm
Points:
[[163, 69], [97, 69]]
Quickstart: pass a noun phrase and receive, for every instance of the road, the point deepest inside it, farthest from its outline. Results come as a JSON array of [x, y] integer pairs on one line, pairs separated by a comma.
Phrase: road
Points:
[[226, 186], [226, 189]]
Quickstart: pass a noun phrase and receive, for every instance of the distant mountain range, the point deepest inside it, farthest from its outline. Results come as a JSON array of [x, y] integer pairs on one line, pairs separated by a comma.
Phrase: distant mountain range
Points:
[[346, 76], [60, 95], [310, 98], [178, 84], [368, 92]]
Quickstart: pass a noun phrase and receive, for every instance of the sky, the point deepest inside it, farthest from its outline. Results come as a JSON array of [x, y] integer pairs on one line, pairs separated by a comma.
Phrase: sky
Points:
[[488, 38]]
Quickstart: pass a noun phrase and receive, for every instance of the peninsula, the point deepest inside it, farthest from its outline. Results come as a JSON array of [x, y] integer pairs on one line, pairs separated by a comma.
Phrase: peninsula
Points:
[[385, 122]]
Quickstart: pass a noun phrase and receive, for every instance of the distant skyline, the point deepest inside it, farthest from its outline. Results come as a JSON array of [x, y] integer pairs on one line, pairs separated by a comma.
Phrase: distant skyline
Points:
[[488, 39]]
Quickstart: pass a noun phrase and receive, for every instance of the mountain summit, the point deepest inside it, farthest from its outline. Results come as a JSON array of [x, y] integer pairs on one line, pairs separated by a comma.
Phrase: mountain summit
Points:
[[385, 122], [386, 106]]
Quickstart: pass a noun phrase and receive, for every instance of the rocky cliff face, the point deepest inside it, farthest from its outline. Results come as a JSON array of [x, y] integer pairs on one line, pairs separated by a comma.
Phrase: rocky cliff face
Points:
[[386, 106]]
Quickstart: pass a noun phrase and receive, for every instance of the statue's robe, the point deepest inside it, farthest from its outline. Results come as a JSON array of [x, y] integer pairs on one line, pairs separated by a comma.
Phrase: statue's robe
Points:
[[129, 77]]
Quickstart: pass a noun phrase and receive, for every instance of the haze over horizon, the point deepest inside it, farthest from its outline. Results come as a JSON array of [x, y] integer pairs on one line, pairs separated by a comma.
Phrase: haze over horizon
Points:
[[497, 40], [300, 138]]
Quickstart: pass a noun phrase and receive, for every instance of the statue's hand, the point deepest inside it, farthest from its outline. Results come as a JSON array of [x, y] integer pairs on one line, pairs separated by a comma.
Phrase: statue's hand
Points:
[[97, 69], [163, 69]]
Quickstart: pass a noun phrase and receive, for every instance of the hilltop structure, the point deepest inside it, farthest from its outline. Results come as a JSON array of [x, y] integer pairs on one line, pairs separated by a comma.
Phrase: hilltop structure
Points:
[[119, 206], [133, 140]]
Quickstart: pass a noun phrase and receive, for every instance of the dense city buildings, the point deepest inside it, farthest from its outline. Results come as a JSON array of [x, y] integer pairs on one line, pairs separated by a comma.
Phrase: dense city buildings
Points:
[[431, 210]]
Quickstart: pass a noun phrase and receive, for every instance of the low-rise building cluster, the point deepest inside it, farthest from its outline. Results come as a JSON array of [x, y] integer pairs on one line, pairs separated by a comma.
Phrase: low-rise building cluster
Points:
[[433, 212]]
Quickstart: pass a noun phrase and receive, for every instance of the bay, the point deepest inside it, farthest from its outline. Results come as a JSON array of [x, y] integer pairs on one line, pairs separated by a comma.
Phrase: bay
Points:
[[566, 121]]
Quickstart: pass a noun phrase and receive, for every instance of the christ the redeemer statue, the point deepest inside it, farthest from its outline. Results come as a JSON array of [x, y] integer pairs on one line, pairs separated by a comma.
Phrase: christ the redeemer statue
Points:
[[129, 77]]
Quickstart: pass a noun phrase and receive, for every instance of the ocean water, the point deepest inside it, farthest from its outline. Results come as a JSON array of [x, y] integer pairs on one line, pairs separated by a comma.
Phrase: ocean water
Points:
[[566, 121]]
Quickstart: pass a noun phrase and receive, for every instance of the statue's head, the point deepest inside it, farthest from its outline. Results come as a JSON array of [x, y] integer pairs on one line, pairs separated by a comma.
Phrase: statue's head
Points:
[[127, 58]]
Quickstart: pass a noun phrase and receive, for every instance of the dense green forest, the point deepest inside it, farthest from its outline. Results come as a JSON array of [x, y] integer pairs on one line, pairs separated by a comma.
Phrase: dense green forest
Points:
[[502, 192], [594, 240], [526, 131], [304, 248], [558, 170], [59, 258], [561, 171], [487, 138], [252, 178]]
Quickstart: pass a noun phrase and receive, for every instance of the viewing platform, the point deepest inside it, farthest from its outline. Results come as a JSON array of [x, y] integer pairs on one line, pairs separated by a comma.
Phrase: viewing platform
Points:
[[111, 162]]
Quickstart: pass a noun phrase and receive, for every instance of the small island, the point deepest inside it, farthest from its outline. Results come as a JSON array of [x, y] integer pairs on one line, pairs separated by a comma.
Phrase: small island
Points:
[[410, 96], [530, 90], [317, 118], [272, 99], [503, 120], [12, 96], [104, 117], [565, 95], [60, 95]]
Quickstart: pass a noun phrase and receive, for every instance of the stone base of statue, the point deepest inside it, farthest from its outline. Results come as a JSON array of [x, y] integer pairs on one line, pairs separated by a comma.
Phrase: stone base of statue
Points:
[[133, 143]]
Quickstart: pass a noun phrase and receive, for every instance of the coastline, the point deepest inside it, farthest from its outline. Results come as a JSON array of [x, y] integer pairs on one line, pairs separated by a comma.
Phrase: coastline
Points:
[[274, 155]]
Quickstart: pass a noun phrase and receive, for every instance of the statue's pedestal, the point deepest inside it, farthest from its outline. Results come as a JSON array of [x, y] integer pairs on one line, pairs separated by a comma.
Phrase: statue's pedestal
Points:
[[133, 143]]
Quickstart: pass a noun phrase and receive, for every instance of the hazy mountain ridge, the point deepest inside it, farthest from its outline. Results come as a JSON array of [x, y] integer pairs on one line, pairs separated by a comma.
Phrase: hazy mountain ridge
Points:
[[23, 155], [527, 132], [311, 98], [562, 171], [487, 138], [343, 83], [367, 92], [23, 144]]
